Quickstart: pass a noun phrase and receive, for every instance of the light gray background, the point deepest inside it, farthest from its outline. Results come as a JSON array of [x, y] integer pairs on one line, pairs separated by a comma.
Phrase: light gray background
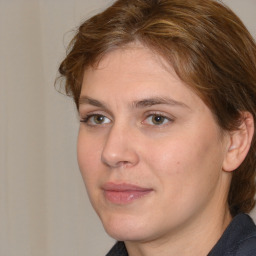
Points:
[[44, 210]]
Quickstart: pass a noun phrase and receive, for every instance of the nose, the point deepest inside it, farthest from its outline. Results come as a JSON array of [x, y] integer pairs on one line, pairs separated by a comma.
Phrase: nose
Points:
[[120, 148]]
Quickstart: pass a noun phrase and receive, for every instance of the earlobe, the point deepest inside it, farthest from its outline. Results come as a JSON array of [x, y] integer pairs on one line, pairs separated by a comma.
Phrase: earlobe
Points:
[[239, 143]]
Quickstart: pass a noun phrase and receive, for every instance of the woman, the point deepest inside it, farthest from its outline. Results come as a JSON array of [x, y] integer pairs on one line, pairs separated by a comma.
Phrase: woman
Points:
[[166, 93]]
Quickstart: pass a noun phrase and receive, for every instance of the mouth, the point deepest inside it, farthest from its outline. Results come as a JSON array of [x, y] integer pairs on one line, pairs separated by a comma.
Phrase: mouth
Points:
[[124, 193]]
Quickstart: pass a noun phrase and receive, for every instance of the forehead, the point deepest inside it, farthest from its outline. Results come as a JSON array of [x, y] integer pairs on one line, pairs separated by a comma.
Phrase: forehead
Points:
[[134, 60], [134, 72], [129, 56]]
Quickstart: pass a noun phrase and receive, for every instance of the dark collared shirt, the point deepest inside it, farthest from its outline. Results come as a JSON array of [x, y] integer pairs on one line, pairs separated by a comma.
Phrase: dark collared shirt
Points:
[[239, 239]]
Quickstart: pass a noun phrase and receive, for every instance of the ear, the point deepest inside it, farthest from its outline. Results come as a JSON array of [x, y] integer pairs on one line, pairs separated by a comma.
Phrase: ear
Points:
[[239, 143]]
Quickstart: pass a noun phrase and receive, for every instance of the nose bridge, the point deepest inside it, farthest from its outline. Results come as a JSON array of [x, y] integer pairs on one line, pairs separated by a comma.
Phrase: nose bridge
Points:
[[119, 148]]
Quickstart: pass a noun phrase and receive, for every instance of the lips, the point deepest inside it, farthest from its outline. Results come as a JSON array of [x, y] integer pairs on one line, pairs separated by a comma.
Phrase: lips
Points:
[[124, 193]]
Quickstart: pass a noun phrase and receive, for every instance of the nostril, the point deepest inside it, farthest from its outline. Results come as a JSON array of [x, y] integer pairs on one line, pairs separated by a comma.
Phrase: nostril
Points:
[[116, 164], [123, 160], [125, 164], [119, 150]]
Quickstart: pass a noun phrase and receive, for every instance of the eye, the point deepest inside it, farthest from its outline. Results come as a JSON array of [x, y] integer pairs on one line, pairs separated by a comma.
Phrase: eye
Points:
[[96, 119], [157, 119]]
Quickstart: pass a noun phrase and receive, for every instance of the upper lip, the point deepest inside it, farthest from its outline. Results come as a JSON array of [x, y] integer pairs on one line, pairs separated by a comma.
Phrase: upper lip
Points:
[[123, 187]]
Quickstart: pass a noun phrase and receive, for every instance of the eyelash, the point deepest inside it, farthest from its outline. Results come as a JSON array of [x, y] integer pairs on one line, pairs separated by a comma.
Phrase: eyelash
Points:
[[86, 119], [156, 114]]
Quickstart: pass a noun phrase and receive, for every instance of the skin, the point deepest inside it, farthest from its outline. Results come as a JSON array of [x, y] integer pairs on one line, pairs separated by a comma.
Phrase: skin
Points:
[[173, 147]]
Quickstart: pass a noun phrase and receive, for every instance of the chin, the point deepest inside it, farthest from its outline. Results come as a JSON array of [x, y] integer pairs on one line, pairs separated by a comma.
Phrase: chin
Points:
[[125, 228]]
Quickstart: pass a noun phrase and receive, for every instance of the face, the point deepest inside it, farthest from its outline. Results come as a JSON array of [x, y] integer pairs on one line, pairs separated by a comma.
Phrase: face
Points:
[[149, 149]]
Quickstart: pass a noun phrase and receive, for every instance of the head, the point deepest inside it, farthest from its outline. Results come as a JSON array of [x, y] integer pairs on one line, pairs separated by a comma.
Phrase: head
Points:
[[205, 45]]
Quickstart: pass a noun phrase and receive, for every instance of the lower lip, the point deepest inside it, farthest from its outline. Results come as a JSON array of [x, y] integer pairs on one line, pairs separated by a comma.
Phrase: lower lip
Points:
[[124, 197]]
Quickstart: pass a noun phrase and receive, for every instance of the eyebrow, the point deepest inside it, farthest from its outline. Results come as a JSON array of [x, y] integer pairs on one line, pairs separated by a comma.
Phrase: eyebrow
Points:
[[148, 102], [158, 101], [91, 101]]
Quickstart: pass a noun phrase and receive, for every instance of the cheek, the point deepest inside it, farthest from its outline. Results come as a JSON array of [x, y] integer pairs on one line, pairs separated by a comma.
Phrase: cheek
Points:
[[171, 156], [185, 160], [88, 155], [186, 172]]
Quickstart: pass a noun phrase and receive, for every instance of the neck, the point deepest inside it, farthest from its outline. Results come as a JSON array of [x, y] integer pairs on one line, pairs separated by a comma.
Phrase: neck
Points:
[[196, 238]]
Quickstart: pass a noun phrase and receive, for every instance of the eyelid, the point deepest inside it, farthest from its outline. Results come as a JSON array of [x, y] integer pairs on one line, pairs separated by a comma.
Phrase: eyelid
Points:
[[86, 117], [90, 112], [158, 113], [86, 109]]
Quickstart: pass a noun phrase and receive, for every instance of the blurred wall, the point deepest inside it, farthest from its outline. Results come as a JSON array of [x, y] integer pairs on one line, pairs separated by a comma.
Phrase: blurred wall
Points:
[[44, 210]]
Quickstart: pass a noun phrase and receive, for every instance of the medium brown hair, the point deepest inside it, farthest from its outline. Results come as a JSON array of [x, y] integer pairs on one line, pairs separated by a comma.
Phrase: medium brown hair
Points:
[[207, 45]]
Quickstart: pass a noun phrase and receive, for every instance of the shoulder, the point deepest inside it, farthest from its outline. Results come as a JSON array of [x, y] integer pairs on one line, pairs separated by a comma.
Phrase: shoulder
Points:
[[239, 239], [247, 246]]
